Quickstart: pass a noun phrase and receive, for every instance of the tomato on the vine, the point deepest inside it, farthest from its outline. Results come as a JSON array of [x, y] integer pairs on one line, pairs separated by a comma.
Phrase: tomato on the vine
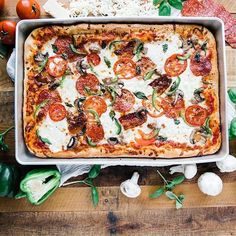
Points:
[[28, 9], [2, 3], [7, 32]]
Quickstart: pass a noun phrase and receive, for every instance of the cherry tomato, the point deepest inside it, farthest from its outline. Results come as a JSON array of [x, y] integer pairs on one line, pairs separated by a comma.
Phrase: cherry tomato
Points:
[[195, 115], [89, 81], [172, 110], [2, 3], [151, 110], [94, 131], [28, 9], [7, 32], [56, 66], [125, 68], [143, 142], [174, 66], [57, 112], [95, 103], [125, 102], [93, 59]]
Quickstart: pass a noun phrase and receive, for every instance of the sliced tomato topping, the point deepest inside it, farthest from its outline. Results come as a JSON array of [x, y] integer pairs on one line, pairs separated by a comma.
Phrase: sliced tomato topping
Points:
[[200, 65], [171, 109], [174, 66], [88, 81], [56, 66], [94, 131], [95, 103], [195, 115], [62, 44], [93, 59], [45, 94], [125, 68], [57, 112], [125, 102], [151, 110]]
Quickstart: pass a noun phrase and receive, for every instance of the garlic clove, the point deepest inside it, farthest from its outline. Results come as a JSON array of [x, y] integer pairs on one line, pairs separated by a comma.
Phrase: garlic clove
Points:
[[228, 164], [210, 184], [130, 187]]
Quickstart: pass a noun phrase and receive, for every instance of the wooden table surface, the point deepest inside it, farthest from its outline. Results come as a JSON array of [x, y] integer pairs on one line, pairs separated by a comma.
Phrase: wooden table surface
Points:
[[69, 210]]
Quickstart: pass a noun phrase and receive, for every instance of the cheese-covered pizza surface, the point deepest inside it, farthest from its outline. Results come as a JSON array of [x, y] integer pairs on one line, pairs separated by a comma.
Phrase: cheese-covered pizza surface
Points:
[[120, 90]]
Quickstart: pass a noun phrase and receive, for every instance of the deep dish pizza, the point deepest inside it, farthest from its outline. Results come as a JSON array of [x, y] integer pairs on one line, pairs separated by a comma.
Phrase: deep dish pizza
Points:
[[121, 90]]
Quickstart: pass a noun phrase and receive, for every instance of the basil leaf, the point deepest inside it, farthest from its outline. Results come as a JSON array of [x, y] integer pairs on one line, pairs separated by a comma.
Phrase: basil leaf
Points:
[[232, 95], [95, 196], [94, 172], [43, 63], [164, 9], [108, 63], [38, 107], [54, 48], [178, 180], [176, 4], [156, 2], [165, 47], [140, 95], [177, 122], [157, 193], [62, 81]]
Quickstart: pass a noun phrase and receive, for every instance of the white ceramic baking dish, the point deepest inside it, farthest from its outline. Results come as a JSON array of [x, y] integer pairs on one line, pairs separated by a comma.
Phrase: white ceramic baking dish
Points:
[[23, 156]]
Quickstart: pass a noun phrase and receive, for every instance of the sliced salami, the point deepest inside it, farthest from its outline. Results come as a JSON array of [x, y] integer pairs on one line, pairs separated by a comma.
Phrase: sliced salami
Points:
[[125, 102]]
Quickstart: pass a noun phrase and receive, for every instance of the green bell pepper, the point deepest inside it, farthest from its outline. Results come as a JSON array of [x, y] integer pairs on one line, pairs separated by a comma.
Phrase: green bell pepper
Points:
[[9, 180], [39, 184]]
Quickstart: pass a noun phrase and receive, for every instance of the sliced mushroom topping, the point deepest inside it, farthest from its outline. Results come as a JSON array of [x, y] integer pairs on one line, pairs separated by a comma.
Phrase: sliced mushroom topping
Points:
[[95, 48], [198, 96], [82, 67], [72, 143], [39, 57], [199, 136], [178, 94]]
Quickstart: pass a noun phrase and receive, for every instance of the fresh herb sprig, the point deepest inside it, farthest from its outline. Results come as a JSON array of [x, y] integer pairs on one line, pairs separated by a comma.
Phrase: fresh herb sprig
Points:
[[3, 146], [165, 6], [167, 189], [93, 173]]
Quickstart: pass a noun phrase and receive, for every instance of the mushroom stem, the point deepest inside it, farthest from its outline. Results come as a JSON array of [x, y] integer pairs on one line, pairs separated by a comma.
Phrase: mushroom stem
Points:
[[135, 178]]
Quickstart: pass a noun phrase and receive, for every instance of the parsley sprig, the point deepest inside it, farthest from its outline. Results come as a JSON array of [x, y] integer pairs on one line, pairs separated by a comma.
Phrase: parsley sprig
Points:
[[167, 189]]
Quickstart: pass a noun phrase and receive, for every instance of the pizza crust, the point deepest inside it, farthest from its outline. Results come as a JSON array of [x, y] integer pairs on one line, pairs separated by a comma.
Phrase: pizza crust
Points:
[[152, 151]]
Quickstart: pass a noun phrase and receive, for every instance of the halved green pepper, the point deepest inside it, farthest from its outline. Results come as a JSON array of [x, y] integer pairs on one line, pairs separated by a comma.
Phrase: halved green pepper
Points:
[[9, 180], [39, 184]]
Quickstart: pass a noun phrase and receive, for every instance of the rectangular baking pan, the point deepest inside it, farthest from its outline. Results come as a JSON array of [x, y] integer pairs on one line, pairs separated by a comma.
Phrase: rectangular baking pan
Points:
[[24, 28]]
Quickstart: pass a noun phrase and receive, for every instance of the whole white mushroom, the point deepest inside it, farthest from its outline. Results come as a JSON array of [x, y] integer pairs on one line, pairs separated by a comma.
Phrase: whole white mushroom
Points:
[[210, 184], [189, 170], [130, 187], [228, 164]]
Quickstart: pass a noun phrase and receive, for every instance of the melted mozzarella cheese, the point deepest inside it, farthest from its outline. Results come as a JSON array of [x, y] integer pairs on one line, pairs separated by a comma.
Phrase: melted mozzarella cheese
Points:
[[56, 132], [135, 85], [68, 91], [102, 69], [189, 83], [47, 47], [158, 56], [177, 133]]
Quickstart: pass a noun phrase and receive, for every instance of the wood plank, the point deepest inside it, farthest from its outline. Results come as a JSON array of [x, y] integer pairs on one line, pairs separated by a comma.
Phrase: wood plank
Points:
[[163, 222], [78, 200]]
